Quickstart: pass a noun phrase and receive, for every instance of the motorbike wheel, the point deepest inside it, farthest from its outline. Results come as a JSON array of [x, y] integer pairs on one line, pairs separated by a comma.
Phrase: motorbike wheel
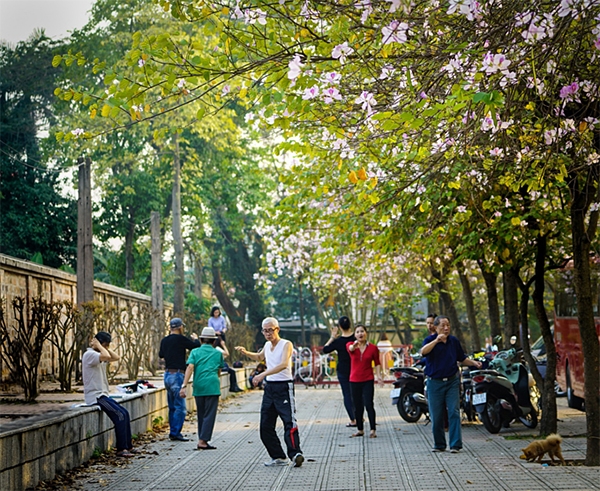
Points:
[[572, 400], [468, 408], [407, 407], [531, 419], [491, 417]]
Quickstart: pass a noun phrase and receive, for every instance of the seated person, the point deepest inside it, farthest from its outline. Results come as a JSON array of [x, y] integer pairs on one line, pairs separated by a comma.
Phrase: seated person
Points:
[[97, 391], [260, 368], [233, 385]]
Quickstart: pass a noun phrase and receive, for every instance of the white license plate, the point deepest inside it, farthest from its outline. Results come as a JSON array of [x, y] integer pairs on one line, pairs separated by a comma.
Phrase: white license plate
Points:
[[479, 398], [395, 393]]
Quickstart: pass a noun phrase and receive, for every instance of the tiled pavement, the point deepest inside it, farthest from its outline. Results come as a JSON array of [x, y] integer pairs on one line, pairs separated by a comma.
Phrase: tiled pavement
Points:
[[399, 459]]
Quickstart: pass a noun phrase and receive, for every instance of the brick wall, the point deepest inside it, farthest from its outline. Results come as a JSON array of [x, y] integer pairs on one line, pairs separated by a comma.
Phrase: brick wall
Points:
[[28, 280]]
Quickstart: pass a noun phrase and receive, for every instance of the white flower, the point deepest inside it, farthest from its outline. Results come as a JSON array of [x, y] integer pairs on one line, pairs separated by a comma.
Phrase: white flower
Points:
[[367, 100], [495, 63], [77, 132], [341, 51], [181, 83], [594, 206], [366, 7], [141, 62], [468, 8], [496, 152], [386, 72], [295, 68], [254, 16], [394, 32], [461, 209]]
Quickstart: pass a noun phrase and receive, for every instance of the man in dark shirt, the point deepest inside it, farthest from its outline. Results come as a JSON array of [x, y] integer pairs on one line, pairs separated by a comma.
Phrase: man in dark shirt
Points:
[[343, 365], [173, 349], [443, 354]]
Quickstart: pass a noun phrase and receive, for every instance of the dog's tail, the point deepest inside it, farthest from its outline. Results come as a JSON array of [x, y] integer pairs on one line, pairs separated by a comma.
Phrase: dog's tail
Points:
[[554, 439]]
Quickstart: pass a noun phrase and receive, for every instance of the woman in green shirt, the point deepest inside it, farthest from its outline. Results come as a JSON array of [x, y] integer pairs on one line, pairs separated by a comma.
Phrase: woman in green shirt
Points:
[[205, 363]]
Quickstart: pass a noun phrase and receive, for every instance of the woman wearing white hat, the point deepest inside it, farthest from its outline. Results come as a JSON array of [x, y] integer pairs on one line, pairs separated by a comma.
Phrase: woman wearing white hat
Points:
[[206, 363]]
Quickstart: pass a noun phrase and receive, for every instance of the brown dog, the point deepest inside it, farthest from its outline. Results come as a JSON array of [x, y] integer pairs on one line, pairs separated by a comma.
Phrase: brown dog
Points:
[[536, 450]]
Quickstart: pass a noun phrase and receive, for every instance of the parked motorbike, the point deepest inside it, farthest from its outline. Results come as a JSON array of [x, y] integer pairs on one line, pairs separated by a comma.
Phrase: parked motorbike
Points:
[[466, 390], [466, 394], [408, 393], [503, 392]]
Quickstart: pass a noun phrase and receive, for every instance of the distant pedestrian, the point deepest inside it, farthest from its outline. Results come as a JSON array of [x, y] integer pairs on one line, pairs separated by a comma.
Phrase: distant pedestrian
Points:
[[97, 391], [217, 322], [338, 344], [429, 321], [173, 348], [443, 353], [363, 355], [384, 345], [278, 398], [205, 363]]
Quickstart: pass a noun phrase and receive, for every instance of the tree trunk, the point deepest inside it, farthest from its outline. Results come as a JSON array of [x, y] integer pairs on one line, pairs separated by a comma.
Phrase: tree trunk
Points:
[[179, 282], [549, 412], [129, 241], [197, 276], [449, 308], [157, 286], [511, 306], [301, 302], [583, 289], [489, 278], [219, 290], [470, 305]]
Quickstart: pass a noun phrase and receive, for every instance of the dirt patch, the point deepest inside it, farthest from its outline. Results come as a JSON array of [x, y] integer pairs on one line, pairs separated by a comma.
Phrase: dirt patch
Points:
[[102, 464]]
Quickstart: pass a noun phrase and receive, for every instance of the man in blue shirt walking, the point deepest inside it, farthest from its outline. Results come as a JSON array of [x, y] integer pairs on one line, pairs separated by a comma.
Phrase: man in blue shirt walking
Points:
[[443, 354]]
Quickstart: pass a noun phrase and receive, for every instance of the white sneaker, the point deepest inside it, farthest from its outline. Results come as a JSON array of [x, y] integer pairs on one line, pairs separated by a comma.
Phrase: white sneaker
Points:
[[277, 462], [298, 460]]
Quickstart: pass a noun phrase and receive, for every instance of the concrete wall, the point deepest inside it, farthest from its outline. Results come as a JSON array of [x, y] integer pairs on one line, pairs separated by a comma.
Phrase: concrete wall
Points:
[[40, 447], [20, 278]]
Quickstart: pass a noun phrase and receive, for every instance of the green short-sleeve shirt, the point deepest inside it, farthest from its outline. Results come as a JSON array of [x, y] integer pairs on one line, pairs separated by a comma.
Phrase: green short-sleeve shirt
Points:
[[207, 363]]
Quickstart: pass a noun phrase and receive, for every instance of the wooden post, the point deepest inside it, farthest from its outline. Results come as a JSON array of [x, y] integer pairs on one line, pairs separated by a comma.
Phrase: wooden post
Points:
[[179, 286], [85, 259], [157, 286]]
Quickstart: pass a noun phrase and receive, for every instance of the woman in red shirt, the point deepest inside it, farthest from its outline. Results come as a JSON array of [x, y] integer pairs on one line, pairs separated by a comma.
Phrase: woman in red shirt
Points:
[[362, 382]]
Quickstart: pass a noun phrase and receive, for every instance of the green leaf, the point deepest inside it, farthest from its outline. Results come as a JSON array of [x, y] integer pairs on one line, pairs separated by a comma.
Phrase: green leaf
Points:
[[56, 60]]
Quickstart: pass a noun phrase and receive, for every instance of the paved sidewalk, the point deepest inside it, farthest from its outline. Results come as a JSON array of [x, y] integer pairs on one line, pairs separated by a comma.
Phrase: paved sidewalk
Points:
[[399, 459]]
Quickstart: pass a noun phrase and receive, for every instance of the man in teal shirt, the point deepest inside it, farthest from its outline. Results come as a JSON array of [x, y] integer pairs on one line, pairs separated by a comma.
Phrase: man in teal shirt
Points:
[[205, 363]]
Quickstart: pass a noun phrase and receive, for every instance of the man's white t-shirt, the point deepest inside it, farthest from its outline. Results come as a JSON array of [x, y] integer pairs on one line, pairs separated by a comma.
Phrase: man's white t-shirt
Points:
[[95, 381], [275, 357]]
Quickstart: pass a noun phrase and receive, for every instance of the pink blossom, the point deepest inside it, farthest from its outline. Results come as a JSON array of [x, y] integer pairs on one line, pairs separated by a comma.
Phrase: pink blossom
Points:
[[311, 93], [330, 94], [569, 92], [395, 32], [332, 78], [341, 51]]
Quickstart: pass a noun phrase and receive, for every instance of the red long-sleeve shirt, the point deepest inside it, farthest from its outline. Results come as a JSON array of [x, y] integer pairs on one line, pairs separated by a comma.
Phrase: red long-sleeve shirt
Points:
[[361, 364]]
